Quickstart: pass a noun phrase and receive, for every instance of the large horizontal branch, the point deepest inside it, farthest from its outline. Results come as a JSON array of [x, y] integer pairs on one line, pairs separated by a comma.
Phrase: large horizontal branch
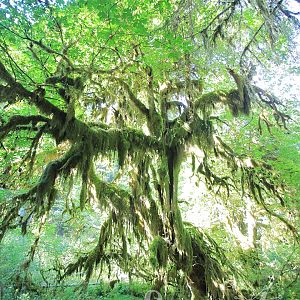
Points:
[[18, 120], [100, 139], [239, 100], [77, 131], [35, 97], [206, 103], [209, 100], [271, 98]]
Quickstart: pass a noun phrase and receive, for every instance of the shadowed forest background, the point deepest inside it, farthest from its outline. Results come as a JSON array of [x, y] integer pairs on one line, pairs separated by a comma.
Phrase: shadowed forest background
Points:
[[149, 145]]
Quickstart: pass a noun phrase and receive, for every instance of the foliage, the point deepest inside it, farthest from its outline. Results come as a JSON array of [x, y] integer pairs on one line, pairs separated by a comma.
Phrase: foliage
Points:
[[101, 117]]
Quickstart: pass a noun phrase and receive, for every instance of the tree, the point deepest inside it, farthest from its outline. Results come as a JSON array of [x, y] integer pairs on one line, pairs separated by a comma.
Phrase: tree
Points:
[[144, 83]]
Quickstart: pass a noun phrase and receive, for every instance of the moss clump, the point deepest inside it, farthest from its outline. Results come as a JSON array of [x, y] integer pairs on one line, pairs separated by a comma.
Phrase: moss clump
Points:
[[155, 124], [123, 146], [238, 104], [156, 219], [159, 252], [202, 133]]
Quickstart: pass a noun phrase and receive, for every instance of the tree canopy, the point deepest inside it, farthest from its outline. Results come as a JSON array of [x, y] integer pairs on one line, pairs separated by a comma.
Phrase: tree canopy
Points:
[[109, 107]]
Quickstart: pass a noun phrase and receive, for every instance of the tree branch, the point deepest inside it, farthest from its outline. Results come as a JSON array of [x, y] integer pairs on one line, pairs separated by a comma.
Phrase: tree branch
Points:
[[8, 94], [251, 41], [20, 120], [4, 74], [77, 130], [37, 194], [49, 50], [139, 105]]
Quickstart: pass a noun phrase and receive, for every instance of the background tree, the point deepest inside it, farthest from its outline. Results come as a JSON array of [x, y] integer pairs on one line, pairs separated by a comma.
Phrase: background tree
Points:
[[145, 86]]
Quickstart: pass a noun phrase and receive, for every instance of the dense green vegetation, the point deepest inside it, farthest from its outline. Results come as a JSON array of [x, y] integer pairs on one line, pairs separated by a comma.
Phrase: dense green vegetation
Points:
[[149, 145]]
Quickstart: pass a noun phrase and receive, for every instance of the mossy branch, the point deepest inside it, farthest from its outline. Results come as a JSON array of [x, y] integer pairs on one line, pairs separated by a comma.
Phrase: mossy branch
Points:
[[43, 190], [257, 177], [5, 75], [110, 195], [8, 94], [139, 105], [88, 262], [49, 50], [17, 120], [101, 139]]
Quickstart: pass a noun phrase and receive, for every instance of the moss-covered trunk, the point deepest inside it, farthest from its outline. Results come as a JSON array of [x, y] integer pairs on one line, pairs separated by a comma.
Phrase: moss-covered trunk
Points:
[[197, 280], [193, 265]]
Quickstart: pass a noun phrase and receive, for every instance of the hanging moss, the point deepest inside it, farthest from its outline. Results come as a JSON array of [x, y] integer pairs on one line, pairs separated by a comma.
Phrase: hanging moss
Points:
[[96, 256], [184, 246], [238, 100], [155, 124], [122, 148], [156, 219], [45, 186], [234, 102], [158, 253], [46, 181], [207, 274], [202, 133], [206, 103], [238, 104], [113, 197], [83, 195]]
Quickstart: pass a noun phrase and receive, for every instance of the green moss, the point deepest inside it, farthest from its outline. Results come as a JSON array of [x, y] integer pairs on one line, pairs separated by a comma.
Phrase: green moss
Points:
[[122, 148], [156, 220], [158, 252], [155, 124], [202, 133]]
